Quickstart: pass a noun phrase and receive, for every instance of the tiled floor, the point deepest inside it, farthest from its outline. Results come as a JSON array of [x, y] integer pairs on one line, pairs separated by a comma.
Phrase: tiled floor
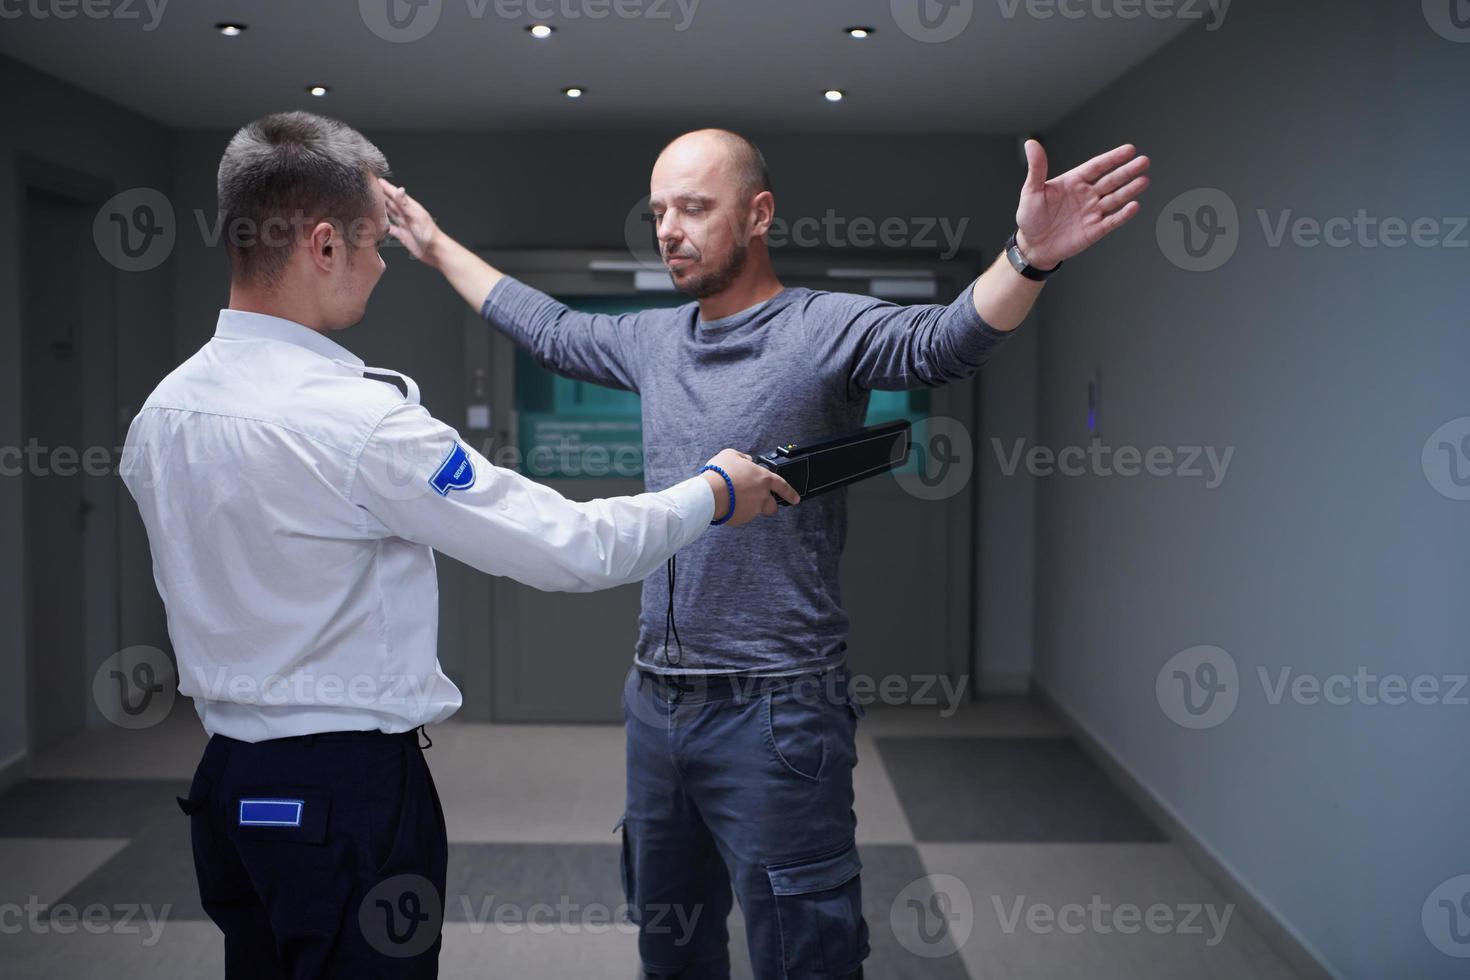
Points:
[[992, 849]]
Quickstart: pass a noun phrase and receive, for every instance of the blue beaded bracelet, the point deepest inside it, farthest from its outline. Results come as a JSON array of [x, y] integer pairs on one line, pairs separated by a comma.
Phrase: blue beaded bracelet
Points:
[[729, 485]]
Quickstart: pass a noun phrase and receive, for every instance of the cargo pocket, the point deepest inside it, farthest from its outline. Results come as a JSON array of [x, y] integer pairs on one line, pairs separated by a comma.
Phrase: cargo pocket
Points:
[[626, 872], [819, 911], [280, 833], [296, 815]]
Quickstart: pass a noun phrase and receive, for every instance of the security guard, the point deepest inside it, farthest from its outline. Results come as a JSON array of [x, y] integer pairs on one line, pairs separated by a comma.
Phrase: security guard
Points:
[[293, 498]]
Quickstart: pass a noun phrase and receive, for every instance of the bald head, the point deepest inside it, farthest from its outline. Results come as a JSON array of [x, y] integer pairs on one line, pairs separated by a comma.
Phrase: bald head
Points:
[[712, 206], [737, 156]]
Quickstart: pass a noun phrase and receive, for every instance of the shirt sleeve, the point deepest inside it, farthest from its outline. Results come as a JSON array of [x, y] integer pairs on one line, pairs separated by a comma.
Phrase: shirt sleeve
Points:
[[886, 346], [417, 480], [596, 347]]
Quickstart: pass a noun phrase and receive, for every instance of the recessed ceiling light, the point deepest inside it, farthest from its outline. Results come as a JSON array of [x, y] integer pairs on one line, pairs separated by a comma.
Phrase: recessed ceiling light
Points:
[[833, 95], [859, 32], [573, 93], [540, 31], [318, 90], [230, 30]]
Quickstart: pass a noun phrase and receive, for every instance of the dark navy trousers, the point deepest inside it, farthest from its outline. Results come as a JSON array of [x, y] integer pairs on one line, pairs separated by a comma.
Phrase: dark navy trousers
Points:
[[743, 786], [321, 855]]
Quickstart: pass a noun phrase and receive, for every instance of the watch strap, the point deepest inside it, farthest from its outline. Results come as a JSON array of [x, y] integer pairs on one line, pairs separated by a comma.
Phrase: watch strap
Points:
[[1021, 265]]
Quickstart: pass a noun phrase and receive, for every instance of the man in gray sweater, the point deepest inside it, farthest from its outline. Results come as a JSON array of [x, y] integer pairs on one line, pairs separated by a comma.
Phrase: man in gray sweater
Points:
[[740, 732]]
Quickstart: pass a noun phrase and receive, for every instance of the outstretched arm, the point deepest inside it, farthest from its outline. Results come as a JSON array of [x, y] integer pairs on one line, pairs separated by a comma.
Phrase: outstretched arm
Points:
[[416, 480], [408, 221], [1057, 219], [593, 347], [899, 347]]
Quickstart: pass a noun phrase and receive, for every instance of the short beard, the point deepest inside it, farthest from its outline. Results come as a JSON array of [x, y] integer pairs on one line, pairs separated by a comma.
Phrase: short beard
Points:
[[713, 283]]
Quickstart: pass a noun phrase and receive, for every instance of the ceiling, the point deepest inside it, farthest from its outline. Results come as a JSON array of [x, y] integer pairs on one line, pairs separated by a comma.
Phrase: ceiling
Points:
[[931, 66]]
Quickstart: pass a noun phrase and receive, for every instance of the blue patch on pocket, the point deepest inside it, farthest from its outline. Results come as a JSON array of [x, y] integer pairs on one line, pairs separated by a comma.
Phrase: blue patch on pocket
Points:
[[270, 813], [457, 472]]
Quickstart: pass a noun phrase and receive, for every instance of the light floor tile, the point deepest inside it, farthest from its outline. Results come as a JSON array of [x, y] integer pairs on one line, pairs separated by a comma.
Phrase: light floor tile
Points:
[[1022, 894], [880, 815], [529, 783], [178, 949], [562, 951], [169, 750], [44, 869]]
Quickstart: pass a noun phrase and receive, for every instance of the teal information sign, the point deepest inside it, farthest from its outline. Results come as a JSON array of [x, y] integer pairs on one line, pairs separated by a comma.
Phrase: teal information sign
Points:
[[566, 446]]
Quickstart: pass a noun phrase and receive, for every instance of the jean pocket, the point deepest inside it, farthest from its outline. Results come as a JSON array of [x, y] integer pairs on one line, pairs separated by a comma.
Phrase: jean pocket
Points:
[[819, 911], [795, 732]]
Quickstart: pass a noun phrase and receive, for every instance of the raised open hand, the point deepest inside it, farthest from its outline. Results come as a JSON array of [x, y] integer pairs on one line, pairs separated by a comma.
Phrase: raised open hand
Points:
[[1060, 217]]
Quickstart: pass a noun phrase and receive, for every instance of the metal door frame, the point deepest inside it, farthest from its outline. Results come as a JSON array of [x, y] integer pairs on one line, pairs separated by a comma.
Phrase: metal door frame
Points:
[[102, 627]]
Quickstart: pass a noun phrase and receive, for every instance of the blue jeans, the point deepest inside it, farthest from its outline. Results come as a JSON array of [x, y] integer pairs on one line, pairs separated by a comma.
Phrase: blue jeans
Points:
[[743, 783]]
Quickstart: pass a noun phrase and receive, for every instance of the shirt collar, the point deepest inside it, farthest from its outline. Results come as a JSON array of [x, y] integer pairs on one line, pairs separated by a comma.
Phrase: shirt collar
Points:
[[747, 315], [240, 325]]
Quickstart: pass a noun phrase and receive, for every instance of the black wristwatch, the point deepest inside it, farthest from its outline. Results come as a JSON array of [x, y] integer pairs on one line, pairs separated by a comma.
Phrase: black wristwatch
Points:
[[1019, 263]]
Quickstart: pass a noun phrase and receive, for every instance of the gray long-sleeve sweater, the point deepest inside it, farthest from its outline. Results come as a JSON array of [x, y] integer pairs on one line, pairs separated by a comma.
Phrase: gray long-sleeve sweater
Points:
[[763, 599]]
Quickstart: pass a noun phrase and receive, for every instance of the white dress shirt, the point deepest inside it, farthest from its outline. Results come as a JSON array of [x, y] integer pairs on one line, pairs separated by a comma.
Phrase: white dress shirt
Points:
[[293, 505]]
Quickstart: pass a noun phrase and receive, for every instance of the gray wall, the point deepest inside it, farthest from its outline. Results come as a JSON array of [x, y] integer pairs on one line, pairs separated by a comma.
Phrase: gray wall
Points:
[[57, 125], [1006, 527], [1325, 549], [570, 190]]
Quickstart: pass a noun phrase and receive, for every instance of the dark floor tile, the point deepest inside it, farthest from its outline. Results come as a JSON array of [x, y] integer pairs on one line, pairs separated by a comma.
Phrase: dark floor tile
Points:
[[89, 807], [887, 870], [574, 880], [155, 869], [1036, 790]]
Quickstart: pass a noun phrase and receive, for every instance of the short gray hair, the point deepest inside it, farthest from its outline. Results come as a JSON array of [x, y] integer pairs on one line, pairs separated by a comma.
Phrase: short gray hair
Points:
[[282, 171], [749, 163]]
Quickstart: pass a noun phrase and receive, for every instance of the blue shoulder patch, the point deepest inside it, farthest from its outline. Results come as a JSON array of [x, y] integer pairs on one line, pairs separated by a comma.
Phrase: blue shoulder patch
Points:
[[457, 472]]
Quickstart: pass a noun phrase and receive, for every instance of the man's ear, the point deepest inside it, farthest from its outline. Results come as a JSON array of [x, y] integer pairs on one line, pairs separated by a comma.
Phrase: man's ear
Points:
[[762, 213], [324, 244]]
